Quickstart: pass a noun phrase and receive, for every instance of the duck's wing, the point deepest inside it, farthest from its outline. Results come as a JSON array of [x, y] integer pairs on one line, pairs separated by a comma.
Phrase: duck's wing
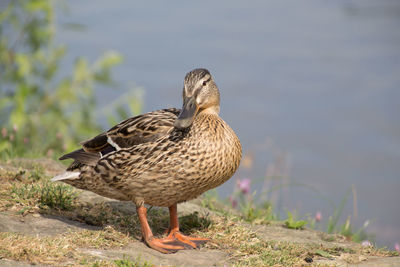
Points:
[[128, 133]]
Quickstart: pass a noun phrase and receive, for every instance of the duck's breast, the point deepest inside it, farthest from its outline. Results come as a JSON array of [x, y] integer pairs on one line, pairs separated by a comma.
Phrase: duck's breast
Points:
[[208, 156]]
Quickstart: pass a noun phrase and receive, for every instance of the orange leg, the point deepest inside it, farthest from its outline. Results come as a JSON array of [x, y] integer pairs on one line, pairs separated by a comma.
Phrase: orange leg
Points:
[[174, 233], [162, 245], [174, 241]]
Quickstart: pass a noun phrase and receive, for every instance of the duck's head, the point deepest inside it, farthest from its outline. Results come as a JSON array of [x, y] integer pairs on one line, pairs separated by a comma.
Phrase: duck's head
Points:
[[200, 94]]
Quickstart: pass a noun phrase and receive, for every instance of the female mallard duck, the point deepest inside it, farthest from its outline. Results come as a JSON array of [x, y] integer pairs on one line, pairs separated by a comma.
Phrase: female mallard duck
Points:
[[161, 158]]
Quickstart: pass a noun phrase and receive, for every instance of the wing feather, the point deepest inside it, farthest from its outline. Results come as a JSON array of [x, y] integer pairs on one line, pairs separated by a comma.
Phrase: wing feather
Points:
[[136, 130], [128, 133]]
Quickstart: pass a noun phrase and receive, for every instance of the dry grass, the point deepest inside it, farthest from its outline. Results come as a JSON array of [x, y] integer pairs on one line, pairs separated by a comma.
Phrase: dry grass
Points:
[[59, 248], [25, 190], [28, 191], [246, 248], [120, 227]]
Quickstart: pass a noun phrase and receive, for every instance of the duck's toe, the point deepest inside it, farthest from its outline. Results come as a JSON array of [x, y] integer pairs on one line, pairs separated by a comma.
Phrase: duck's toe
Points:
[[166, 246], [193, 242]]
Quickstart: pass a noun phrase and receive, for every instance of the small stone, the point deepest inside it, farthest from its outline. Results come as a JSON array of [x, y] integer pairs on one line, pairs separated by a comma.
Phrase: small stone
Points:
[[308, 259]]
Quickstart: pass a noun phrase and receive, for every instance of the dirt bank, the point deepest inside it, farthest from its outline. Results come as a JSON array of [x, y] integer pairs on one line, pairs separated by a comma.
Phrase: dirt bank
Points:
[[95, 231]]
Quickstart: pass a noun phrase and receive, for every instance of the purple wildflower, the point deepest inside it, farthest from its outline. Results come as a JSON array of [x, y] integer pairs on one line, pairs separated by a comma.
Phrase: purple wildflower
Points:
[[366, 243], [233, 202], [244, 185], [397, 247], [318, 216]]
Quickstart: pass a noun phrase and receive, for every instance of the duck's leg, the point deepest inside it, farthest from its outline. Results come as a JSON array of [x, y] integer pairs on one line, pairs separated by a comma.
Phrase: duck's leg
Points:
[[175, 234], [166, 245]]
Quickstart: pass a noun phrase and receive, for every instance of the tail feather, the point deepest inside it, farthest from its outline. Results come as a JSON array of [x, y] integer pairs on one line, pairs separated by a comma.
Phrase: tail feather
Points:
[[66, 176], [80, 155]]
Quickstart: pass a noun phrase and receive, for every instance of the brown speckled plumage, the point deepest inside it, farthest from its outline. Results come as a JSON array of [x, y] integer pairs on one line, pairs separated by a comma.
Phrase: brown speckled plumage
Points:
[[175, 167], [163, 157]]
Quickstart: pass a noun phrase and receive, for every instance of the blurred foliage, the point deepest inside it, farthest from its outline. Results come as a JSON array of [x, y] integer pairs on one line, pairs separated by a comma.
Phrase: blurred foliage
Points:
[[292, 223], [41, 111]]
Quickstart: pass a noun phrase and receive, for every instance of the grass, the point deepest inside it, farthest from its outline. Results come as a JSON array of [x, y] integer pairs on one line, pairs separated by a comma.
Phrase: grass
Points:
[[126, 262], [292, 223], [27, 190], [253, 251], [32, 190], [247, 209], [247, 248], [59, 248], [45, 194], [246, 206]]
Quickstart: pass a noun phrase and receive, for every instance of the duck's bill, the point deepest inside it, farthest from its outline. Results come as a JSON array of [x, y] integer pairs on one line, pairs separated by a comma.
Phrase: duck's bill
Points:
[[188, 113]]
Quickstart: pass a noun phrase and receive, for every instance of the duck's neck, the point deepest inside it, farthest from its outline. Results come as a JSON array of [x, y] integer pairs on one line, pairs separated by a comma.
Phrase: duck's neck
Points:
[[210, 110]]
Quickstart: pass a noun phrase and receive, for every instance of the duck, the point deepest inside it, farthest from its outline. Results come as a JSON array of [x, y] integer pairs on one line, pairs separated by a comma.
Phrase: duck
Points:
[[161, 158]]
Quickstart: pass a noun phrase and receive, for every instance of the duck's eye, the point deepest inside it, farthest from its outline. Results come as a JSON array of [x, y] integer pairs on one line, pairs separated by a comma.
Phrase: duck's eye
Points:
[[204, 83]]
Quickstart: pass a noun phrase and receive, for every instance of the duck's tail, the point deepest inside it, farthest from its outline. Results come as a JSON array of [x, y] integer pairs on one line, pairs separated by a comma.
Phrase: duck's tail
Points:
[[68, 175]]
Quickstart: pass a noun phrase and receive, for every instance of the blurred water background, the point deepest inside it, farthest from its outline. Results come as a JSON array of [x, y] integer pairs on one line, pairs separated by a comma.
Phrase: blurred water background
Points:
[[311, 88]]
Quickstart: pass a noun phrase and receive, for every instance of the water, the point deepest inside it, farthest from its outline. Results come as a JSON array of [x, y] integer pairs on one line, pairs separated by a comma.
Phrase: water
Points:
[[321, 80]]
